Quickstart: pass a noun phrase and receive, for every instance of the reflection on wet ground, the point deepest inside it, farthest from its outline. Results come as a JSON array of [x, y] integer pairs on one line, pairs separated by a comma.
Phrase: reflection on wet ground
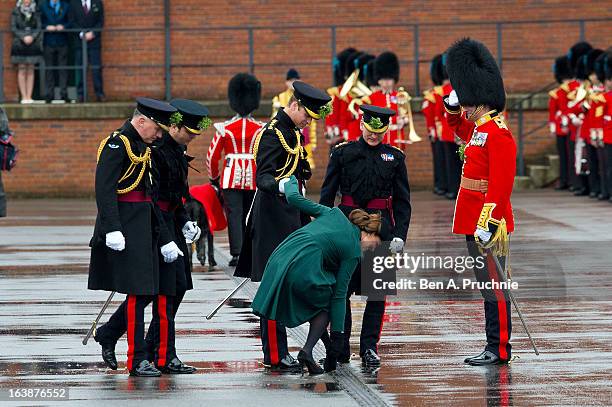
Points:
[[45, 311]]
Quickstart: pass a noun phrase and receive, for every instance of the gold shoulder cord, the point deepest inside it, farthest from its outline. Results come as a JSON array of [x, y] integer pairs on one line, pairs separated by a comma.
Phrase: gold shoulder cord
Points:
[[293, 153], [135, 160]]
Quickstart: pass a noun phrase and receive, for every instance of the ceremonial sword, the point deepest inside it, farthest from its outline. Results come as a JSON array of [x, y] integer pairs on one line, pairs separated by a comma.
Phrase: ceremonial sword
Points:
[[502, 276], [230, 295], [95, 323]]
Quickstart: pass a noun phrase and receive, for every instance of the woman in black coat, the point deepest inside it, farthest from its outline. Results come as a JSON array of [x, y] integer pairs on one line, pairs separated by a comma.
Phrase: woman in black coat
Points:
[[26, 49]]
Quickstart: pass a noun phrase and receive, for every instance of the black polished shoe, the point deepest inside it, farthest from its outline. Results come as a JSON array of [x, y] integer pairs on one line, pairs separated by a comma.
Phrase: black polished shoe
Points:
[[287, 363], [581, 192], [485, 358], [370, 358], [307, 360], [175, 366], [145, 369], [561, 188], [603, 197], [451, 195], [108, 354], [233, 262], [593, 195]]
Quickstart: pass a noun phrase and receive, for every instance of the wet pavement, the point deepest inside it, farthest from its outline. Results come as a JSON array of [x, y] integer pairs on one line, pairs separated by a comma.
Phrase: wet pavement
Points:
[[45, 310]]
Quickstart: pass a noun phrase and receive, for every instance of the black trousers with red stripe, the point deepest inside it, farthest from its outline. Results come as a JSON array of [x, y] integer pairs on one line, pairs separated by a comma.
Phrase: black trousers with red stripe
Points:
[[273, 341], [498, 321], [129, 317]]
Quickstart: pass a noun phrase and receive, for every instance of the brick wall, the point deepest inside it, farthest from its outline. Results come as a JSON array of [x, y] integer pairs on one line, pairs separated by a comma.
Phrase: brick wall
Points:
[[196, 55], [58, 158]]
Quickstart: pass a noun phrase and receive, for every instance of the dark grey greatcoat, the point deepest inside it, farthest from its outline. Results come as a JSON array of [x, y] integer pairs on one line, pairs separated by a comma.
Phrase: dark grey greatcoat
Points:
[[271, 218], [134, 270]]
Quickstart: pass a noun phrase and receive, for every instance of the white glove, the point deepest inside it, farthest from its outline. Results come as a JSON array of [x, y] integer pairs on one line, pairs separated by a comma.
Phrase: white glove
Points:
[[482, 235], [552, 127], [396, 245], [453, 100], [191, 231], [170, 251], [115, 240], [281, 185]]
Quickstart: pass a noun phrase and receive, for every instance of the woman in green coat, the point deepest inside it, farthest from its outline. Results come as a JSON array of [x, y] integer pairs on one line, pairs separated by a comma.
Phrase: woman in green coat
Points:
[[307, 276]]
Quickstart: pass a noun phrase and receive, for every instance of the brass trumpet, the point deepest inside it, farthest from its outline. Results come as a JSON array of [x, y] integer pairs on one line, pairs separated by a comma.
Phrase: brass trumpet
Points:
[[404, 110]]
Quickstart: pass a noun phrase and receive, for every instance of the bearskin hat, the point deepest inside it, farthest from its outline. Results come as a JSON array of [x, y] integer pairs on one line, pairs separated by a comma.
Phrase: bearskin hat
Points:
[[435, 70], [387, 66], [600, 66], [370, 74], [244, 93], [562, 69], [339, 65], [591, 57], [582, 69], [361, 63], [576, 52], [349, 64], [474, 74], [608, 66]]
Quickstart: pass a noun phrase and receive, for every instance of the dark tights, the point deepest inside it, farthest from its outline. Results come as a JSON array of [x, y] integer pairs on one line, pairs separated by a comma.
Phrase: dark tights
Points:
[[318, 325]]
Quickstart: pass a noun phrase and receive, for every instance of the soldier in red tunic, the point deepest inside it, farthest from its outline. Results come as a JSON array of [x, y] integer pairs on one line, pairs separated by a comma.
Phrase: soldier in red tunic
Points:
[[236, 138], [576, 86], [335, 123], [483, 211], [558, 120], [387, 70], [430, 111], [607, 119]]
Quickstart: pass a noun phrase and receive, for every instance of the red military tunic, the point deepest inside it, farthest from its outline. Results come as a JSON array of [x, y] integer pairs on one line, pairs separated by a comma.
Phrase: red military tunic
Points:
[[557, 109], [490, 154], [236, 138], [566, 110], [607, 119], [389, 100], [430, 112], [595, 114], [445, 132]]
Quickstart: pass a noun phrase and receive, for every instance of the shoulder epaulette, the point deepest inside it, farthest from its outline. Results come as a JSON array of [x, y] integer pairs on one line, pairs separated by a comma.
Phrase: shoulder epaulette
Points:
[[565, 87], [429, 95], [553, 93], [439, 90], [398, 149], [343, 144], [500, 121]]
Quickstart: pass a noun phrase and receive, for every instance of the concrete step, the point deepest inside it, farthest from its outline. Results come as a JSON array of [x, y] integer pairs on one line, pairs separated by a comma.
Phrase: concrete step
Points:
[[522, 183]]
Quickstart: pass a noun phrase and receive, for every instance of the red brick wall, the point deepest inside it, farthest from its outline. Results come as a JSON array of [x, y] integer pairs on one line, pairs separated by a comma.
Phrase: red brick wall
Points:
[[58, 158], [195, 54]]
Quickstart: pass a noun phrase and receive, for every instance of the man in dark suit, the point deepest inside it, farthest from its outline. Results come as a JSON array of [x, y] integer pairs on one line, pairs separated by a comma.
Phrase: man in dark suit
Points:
[[88, 15], [54, 14]]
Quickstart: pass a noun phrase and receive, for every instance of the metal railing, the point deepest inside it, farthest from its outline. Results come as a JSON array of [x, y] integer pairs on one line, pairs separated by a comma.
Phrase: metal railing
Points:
[[293, 57], [518, 107]]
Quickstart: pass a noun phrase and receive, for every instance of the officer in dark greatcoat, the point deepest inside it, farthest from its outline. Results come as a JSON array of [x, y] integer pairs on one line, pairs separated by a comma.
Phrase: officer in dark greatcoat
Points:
[[371, 176], [170, 168], [124, 247], [279, 153]]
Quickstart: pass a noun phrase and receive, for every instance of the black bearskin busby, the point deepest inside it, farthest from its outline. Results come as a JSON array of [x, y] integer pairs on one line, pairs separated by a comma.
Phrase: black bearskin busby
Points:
[[475, 76], [339, 65], [435, 70], [244, 93], [387, 66], [600, 66], [576, 52], [608, 66], [590, 59], [562, 69], [370, 74], [350, 63], [361, 64]]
